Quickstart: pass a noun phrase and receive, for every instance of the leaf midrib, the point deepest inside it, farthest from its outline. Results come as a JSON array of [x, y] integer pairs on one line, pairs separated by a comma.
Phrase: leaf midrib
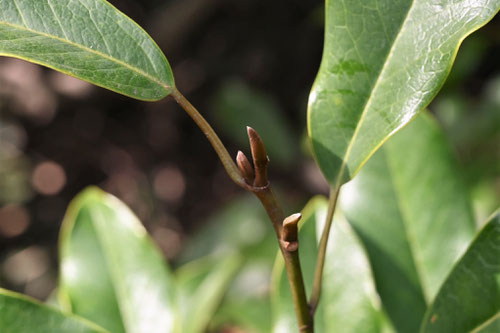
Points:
[[87, 49], [369, 101]]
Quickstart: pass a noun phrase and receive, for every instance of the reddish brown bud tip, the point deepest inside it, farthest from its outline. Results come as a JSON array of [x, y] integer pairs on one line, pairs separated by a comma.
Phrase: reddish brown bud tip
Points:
[[257, 145], [259, 156], [245, 167]]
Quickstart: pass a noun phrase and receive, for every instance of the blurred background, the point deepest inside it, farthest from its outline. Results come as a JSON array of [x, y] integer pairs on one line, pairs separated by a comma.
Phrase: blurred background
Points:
[[241, 63]]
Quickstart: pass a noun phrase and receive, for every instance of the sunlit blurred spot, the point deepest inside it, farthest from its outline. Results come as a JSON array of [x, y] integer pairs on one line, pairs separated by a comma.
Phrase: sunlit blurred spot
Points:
[[168, 240], [23, 83], [70, 86], [14, 220], [48, 178], [42, 286], [493, 90], [123, 184], [253, 279], [26, 265], [169, 184], [250, 231], [12, 134], [283, 324], [348, 196], [158, 315], [70, 269], [15, 173]]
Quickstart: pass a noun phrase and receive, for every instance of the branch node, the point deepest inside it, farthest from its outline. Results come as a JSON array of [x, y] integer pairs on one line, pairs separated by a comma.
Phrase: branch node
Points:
[[289, 234]]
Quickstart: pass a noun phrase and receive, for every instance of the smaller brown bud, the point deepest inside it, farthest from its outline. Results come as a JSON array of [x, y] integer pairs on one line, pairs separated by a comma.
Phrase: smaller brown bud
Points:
[[245, 167], [289, 234]]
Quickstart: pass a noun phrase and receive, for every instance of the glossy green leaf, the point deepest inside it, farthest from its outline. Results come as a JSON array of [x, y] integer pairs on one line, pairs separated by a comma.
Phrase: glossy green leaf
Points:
[[111, 272], [349, 302], [383, 62], [202, 284], [410, 208], [20, 314], [469, 299], [87, 39]]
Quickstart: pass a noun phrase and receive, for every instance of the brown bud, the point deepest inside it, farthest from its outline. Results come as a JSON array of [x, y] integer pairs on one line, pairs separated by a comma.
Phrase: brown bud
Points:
[[289, 234], [245, 167], [259, 156]]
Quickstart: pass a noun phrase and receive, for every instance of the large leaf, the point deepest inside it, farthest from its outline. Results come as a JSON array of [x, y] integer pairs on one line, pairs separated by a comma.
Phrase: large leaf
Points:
[[202, 284], [111, 272], [21, 314], [469, 299], [383, 62], [410, 208], [87, 39], [349, 302]]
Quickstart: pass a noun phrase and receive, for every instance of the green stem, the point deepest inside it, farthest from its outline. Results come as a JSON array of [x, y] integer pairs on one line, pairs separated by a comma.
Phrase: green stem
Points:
[[320, 262], [292, 262], [228, 163]]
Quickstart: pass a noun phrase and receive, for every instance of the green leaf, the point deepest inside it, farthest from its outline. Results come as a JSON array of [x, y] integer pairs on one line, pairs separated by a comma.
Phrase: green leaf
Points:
[[383, 62], [250, 314], [111, 272], [240, 226], [410, 208], [469, 299], [21, 314], [202, 284], [88, 39], [349, 302]]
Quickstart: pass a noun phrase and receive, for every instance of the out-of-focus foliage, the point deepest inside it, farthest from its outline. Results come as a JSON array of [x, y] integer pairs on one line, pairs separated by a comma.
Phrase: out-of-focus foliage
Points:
[[113, 274], [469, 299], [21, 314], [240, 227], [236, 106], [110, 270], [410, 208]]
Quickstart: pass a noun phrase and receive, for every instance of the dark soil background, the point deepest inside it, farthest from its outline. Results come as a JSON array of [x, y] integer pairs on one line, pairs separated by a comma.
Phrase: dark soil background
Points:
[[59, 135]]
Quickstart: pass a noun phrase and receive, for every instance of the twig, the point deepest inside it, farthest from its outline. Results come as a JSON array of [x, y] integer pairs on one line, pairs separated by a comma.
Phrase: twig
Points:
[[227, 161], [255, 180], [285, 228], [320, 262]]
